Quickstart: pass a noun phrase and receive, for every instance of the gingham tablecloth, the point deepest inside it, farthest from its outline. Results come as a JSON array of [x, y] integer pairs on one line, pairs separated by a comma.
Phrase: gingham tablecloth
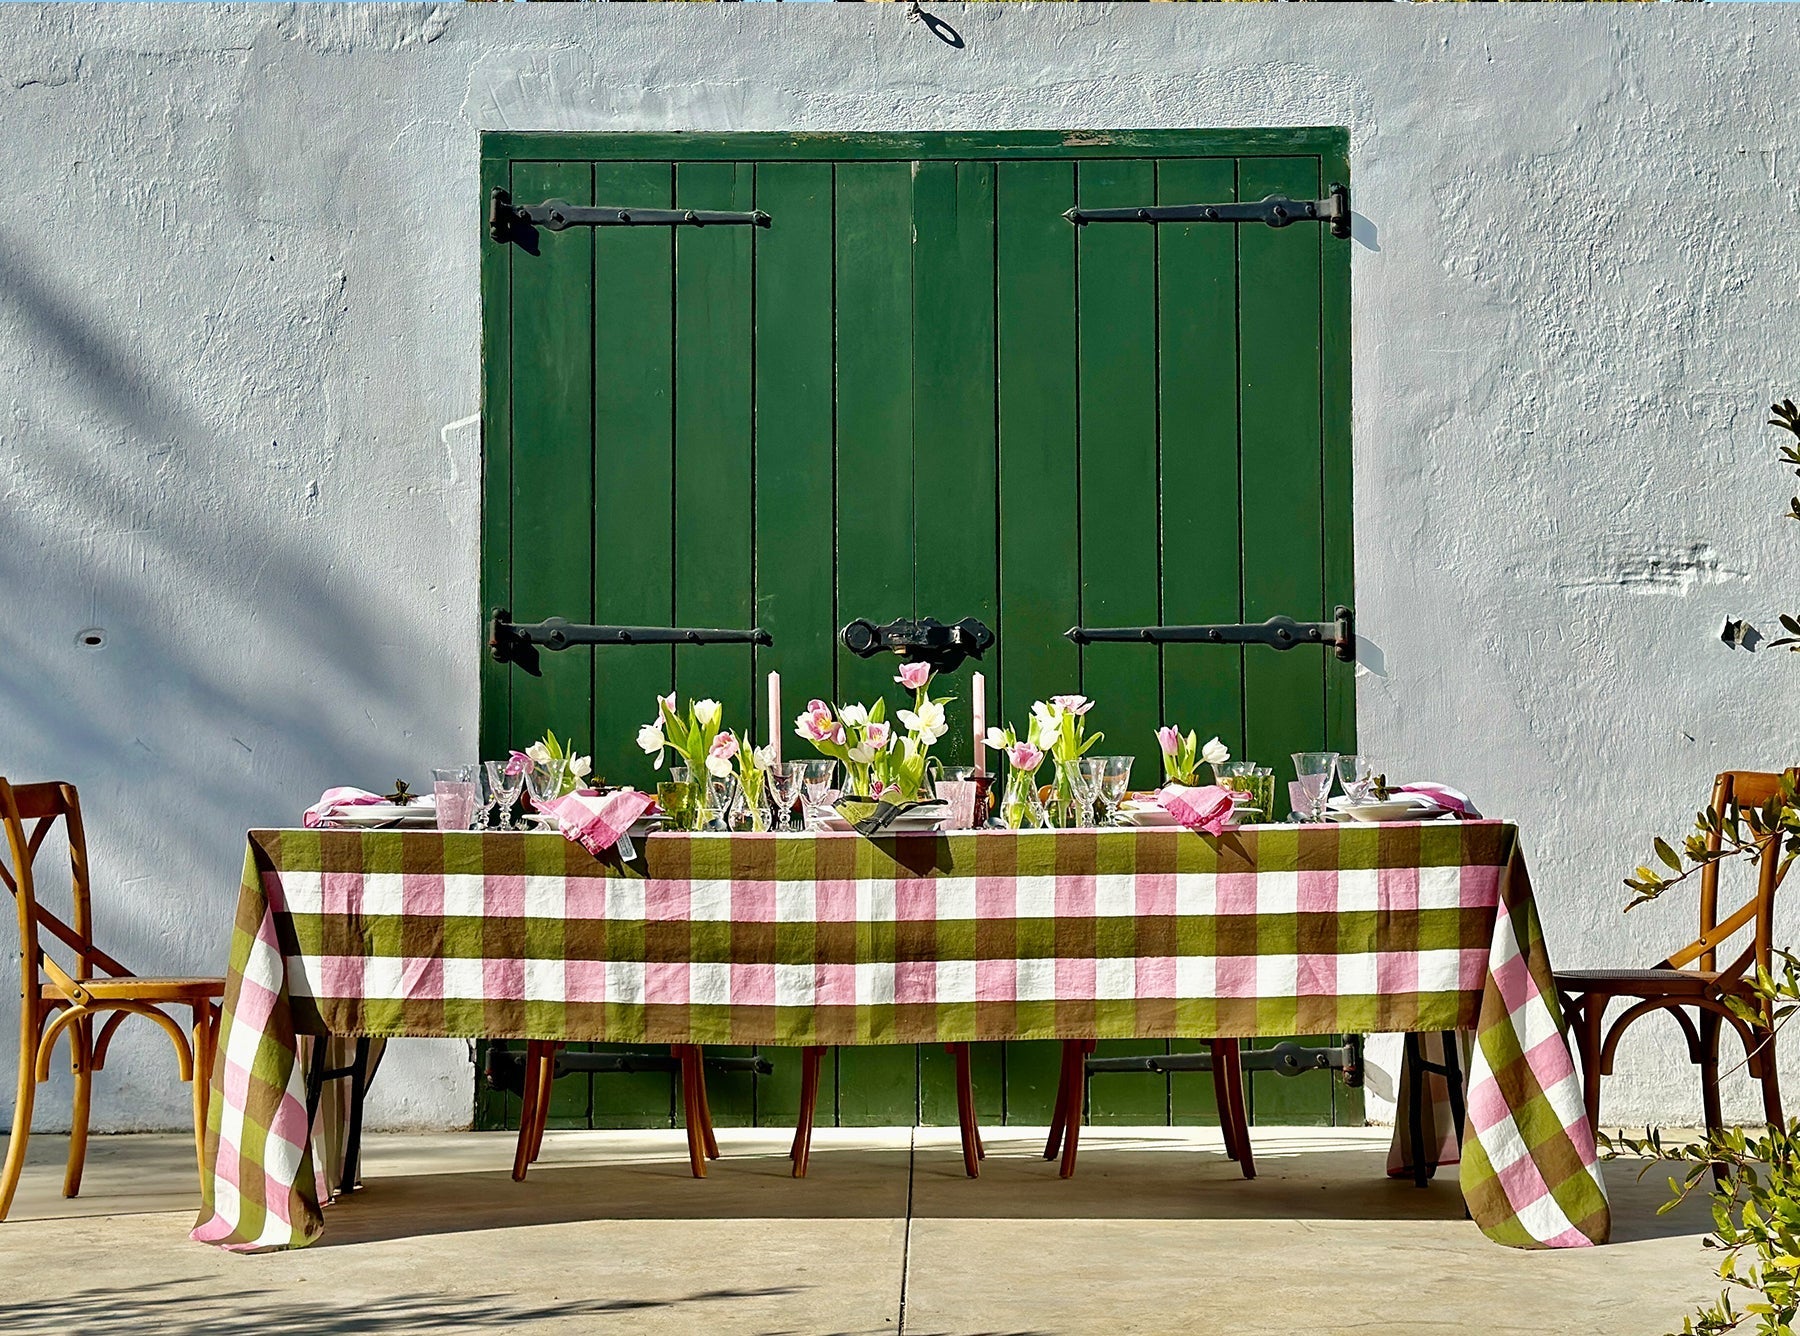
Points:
[[836, 939]]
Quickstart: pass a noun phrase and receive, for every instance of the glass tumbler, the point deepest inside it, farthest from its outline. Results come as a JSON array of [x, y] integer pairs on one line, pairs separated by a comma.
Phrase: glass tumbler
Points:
[[455, 789]]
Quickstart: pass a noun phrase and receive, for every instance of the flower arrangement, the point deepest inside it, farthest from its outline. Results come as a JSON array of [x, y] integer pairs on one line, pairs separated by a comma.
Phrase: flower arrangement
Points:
[[557, 757], [853, 735], [878, 759], [1182, 754], [1023, 757], [693, 735], [752, 772], [1057, 727]]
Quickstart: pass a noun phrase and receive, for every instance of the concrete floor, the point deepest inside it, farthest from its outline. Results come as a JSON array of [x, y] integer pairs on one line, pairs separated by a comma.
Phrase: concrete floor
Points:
[[1157, 1233]]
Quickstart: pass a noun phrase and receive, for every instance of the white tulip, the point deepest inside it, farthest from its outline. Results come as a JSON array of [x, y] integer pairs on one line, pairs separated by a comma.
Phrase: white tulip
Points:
[[862, 755], [927, 723], [855, 716], [1215, 753], [997, 740], [763, 756], [538, 752], [650, 739], [581, 767], [707, 712], [718, 766]]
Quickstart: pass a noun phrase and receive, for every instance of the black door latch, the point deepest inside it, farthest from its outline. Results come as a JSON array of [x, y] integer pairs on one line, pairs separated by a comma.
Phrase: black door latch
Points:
[[919, 640]]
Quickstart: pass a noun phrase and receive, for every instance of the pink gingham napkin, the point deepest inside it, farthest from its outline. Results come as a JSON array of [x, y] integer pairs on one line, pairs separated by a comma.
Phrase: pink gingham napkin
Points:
[[597, 821], [1205, 809], [1444, 796], [332, 799]]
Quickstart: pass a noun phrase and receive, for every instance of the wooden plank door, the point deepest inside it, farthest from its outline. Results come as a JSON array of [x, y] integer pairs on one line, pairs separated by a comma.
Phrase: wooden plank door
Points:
[[921, 392]]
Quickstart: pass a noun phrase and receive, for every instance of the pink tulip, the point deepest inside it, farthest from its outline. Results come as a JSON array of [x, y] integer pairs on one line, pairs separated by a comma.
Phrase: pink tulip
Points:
[[518, 763], [879, 734], [725, 746], [1024, 757], [1073, 704], [1168, 737], [914, 675], [818, 724]]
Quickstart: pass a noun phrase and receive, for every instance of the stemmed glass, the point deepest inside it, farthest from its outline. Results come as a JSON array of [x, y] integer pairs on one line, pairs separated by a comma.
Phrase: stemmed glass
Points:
[[1084, 776], [544, 782], [1115, 783], [1356, 771], [503, 792], [786, 779], [1314, 771], [818, 787]]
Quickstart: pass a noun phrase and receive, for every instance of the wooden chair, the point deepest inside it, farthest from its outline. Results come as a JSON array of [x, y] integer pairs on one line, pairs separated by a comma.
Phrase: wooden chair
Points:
[[811, 1058], [1691, 978], [1228, 1089], [55, 1000], [540, 1075]]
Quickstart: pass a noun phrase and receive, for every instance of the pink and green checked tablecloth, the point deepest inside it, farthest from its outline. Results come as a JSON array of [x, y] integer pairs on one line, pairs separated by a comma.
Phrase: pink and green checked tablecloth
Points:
[[837, 939]]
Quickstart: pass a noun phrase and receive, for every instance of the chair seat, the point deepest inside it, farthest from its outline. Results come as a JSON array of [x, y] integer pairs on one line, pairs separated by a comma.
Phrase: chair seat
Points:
[[144, 990], [1637, 983]]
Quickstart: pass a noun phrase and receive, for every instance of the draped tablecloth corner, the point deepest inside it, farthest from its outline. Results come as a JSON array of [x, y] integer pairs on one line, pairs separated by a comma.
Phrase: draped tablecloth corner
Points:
[[837, 939]]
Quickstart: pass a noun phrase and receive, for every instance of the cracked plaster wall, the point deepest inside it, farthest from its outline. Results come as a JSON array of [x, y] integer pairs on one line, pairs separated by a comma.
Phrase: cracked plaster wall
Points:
[[239, 347]]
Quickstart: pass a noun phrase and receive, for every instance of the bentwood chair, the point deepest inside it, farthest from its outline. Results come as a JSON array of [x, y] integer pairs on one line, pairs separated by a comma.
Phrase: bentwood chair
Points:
[[541, 1070], [1228, 1089], [1691, 977], [94, 988], [811, 1059]]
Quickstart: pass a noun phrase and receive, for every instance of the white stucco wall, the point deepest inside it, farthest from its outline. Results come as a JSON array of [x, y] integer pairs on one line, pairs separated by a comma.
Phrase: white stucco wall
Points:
[[239, 324]]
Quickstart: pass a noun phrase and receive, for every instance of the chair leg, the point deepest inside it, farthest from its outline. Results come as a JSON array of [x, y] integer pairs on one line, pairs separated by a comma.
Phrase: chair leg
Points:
[[527, 1113], [30, 1028], [1590, 1019], [543, 1071], [810, 1060], [1234, 1113], [1414, 1060], [1058, 1113], [692, 1117], [81, 1064], [708, 1138], [1075, 1084], [202, 1048], [359, 1089], [1771, 1084], [1222, 1097], [965, 1111]]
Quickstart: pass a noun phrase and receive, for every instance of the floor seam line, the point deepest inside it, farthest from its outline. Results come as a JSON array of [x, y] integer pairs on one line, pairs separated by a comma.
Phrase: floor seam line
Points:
[[912, 1158]]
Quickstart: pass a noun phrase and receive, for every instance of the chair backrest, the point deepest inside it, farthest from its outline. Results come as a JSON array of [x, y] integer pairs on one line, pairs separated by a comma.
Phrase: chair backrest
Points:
[[1737, 790], [29, 813]]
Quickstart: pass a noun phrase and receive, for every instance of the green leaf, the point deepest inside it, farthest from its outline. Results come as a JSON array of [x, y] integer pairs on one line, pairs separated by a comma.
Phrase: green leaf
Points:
[[1668, 855]]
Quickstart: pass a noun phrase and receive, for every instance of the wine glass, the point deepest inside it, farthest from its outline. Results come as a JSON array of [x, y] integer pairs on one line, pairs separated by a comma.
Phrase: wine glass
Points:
[[1115, 783], [545, 783], [1085, 776], [818, 785], [503, 792], [1314, 770], [786, 779], [1356, 771]]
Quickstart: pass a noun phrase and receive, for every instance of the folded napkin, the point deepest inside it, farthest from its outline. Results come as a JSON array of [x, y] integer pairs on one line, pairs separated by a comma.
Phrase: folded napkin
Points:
[[598, 821], [1444, 796], [332, 799], [1206, 809]]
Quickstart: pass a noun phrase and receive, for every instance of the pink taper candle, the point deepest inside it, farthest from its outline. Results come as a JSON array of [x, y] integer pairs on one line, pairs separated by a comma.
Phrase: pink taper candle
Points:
[[978, 698], [775, 714]]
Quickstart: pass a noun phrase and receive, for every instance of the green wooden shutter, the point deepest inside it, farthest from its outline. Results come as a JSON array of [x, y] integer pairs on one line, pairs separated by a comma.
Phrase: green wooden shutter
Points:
[[921, 392]]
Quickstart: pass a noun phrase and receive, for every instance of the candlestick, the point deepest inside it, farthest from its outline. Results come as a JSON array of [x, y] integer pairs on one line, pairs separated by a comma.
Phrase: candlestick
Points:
[[978, 698], [775, 714]]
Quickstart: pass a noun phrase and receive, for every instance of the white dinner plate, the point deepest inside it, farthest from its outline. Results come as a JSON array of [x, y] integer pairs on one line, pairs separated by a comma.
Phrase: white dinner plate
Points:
[[1147, 815], [1382, 813], [910, 824], [385, 814]]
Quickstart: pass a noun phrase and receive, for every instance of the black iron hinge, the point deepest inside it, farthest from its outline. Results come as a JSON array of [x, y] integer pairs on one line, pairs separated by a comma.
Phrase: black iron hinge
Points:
[[920, 640], [1276, 633], [1275, 210], [513, 642], [506, 219]]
